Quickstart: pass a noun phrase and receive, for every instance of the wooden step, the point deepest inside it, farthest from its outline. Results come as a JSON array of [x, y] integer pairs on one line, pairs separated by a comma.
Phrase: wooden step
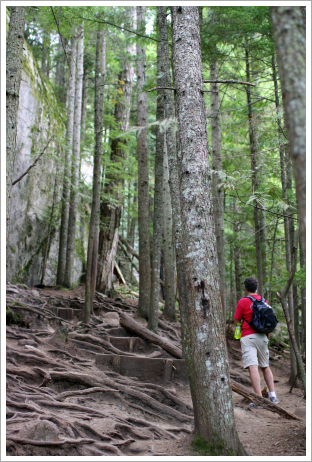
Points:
[[147, 369]]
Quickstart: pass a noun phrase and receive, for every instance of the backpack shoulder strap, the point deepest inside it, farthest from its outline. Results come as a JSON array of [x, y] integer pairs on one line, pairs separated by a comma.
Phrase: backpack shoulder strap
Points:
[[251, 297]]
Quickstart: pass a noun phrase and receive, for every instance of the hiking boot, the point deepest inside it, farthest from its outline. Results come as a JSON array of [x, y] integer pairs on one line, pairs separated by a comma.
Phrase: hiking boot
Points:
[[254, 406], [274, 400]]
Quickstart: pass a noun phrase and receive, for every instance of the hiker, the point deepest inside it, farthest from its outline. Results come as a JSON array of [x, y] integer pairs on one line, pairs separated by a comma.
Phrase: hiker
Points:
[[254, 346]]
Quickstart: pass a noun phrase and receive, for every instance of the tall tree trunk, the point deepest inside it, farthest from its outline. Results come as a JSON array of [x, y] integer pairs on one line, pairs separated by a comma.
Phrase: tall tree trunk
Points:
[[288, 222], [158, 194], [253, 156], [207, 359], [73, 200], [67, 164], [14, 57], [168, 247], [290, 42], [82, 228], [110, 213], [143, 180], [172, 144], [60, 74], [218, 194], [93, 241]]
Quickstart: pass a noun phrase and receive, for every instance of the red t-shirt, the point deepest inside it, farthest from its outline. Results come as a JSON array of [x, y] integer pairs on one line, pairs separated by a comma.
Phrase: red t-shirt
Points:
[[243, 311]]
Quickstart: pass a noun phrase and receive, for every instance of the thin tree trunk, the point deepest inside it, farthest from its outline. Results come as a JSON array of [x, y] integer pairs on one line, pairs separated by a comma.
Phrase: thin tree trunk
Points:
[[290, 41], [218, 194], [82, 229], [253, 156], [237, 261], [303, 306], [143, 180], [111, 213], [282, 297], [60, 74], [158, 194], [73, 200], [168, 247], [93, 242], [207, 360], [288, 222], [67, 165], [47, 248], [14, 57]]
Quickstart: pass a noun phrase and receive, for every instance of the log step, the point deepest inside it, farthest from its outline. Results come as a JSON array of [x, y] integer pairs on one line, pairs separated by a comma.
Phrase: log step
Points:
[[161, 370]]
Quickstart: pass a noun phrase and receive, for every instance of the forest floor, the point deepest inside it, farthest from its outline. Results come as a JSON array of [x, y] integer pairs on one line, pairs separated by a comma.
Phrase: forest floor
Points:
[[64, 399]]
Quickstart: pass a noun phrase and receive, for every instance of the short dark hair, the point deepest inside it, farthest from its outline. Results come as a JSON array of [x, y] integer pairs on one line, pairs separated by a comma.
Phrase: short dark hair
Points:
[[251, 284]]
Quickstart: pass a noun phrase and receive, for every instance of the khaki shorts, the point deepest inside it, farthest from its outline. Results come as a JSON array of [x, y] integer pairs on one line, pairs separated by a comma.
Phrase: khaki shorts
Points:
[[255, 350]]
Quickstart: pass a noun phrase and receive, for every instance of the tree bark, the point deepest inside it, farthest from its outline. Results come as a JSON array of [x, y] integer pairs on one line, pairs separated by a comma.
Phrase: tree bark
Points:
[[110, 213], [73, 200], [67, 165], [93, 241], [14, 57], [282, 297], [158, 195], [168, 247], [218, 193], [290, 42], [207, 360], [253, 157], [143, 180]]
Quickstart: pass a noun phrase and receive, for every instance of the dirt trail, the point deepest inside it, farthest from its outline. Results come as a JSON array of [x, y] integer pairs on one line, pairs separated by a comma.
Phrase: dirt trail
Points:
[[67, 392]]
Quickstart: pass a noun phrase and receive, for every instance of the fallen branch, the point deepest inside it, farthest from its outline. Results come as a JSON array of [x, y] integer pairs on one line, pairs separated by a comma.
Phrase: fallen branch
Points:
[[32, 165], [260, 401], [128, 323]]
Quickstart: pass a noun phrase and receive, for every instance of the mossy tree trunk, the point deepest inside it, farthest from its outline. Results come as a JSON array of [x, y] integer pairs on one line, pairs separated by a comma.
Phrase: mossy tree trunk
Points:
[[158, 193], [67, 164], [168, 247], [143, 179], [207, 358], [73, 199], [14, 57], [110, 213], [93, 241]]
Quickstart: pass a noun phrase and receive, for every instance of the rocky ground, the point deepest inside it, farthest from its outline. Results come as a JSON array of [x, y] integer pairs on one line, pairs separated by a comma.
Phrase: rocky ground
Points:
[[71, 392]]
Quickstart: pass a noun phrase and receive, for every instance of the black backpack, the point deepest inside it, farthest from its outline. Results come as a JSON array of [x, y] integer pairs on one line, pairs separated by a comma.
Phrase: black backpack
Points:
[[263, 318]]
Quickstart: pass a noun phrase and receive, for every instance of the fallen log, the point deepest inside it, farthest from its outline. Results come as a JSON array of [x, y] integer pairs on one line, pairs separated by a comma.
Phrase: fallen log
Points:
[[260, 401], [129, 323]]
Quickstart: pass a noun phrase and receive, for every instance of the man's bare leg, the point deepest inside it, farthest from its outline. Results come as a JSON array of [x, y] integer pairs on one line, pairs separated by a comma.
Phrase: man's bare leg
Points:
[[255, 379], [268, 377]]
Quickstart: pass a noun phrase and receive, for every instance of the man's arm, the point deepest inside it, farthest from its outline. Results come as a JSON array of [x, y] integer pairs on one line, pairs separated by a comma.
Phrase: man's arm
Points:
[[236, 321]]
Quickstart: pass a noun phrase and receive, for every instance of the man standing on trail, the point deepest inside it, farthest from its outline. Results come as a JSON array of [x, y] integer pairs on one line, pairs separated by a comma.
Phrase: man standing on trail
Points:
[[254, 346]]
